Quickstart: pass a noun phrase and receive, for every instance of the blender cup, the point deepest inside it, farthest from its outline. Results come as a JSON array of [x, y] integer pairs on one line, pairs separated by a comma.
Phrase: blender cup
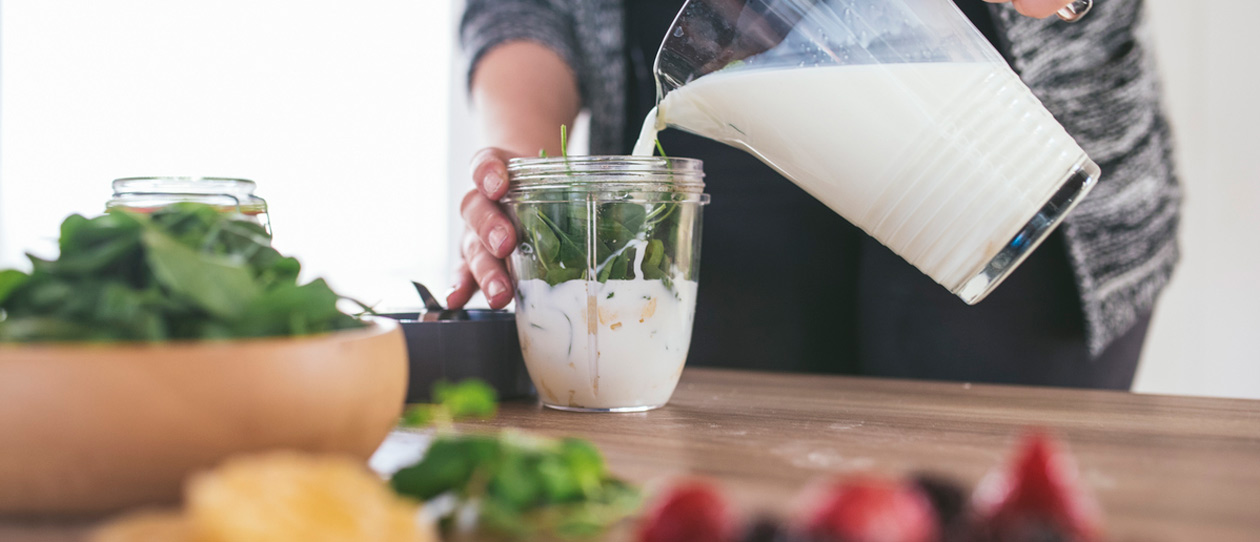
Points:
[[897, 114], [605, 275]]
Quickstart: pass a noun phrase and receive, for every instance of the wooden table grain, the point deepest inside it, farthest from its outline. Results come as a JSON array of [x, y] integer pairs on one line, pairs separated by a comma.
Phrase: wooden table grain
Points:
[[1163, 467]]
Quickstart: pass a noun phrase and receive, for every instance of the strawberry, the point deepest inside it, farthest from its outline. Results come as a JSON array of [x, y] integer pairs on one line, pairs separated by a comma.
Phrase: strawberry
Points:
[[690, 511], [872, 510], [1036, 497]]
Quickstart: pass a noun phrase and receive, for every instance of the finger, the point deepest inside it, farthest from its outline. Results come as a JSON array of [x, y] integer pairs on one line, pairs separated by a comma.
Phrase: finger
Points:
[[491, 276], [463, 288], [467, 243], [492, 226], [1038, 9], [489, 172]]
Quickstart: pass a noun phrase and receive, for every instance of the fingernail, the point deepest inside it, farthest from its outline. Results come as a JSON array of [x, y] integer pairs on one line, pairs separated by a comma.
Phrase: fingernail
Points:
[[497, 237], [493, 181], [495, 288]]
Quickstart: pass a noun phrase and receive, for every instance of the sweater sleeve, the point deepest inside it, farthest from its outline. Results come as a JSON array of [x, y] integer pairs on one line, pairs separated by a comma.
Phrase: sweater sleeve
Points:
[[488, 23]]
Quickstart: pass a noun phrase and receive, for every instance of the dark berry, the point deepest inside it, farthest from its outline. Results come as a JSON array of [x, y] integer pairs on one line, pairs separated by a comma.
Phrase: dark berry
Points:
[[765, 529], [948, 498]]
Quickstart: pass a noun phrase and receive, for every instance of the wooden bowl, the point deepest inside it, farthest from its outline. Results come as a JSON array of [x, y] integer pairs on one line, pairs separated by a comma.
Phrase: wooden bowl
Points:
[[88, 429]]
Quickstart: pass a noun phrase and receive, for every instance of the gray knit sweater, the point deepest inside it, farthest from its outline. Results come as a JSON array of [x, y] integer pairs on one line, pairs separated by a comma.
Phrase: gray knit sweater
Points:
[[1095, 76]]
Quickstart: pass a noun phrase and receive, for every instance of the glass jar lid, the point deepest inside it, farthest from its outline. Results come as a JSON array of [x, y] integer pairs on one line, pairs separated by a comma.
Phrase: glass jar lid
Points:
[[243, 189], [146, 194], [600, 173]]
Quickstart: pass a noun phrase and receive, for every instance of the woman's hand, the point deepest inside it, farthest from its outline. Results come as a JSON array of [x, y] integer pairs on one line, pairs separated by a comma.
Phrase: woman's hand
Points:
[[522, 92], [1039, 9], [488, 237]]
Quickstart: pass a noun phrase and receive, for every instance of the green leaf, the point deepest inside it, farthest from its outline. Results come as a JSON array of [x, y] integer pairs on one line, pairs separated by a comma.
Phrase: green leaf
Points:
[[558, 482], [89, 247], [222, 288], [470, 398], [566, 239], [48, 295], [419, 416], [290, 309], [93, 260], [621, 266], [572, 256], [10, 280], [556, 275], [516, 483], [448, 465], [585, 464], [626, 216], [185, 271], [653, 254], [558, 233], [524, 486], [614, 232], [69, 227], [546, 244]]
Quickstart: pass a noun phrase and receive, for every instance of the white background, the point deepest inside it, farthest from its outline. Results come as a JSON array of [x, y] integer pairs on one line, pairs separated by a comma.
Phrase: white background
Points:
[[351, 117], [337, 109], [1205, 338]]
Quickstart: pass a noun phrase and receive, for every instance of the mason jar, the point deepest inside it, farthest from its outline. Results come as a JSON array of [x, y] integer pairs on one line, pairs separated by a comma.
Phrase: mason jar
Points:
[[605, 273], [147, 194]]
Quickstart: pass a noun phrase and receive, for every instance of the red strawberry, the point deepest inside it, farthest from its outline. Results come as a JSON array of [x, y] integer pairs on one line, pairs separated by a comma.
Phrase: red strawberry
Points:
[[873, 510], [690, 511], [1036, 497]]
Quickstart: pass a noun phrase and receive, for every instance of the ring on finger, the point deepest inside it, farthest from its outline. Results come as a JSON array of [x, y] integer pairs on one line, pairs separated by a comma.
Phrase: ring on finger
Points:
[[1074, 11]]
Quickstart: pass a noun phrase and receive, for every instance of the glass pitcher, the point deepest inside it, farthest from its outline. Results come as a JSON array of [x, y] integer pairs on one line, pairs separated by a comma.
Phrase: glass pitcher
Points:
[[897, 114]]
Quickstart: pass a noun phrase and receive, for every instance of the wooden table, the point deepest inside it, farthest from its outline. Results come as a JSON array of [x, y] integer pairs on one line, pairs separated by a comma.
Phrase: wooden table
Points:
[[1163, 468]]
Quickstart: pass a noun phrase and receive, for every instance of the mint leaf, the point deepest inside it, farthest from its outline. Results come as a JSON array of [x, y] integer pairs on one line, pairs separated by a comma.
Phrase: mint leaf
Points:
[[469, 398]]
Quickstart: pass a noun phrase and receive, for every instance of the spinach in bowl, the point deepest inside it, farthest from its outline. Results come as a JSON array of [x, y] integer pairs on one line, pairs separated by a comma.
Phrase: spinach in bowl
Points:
[[186, 271]]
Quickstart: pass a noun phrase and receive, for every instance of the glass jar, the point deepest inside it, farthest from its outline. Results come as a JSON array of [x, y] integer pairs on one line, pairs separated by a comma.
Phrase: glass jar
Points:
[[147, 194], [605, 273]]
